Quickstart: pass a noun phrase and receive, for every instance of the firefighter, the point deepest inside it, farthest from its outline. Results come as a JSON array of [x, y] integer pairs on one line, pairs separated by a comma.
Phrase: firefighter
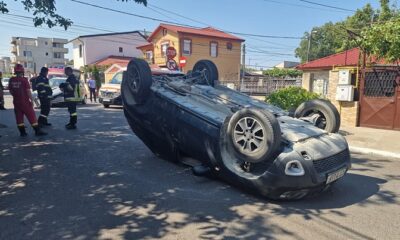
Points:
[[23, 102], [44, 93], [71, 96]]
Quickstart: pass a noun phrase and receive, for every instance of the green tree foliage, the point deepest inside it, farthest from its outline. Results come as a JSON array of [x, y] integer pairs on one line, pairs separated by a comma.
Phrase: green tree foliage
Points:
[[332, 38], [290, 98], [282, 72], [382, 40], [45, 12]]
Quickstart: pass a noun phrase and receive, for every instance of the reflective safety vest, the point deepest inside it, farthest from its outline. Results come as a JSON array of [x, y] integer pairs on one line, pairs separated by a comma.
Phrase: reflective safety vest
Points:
[[71, 89], [43, 88]]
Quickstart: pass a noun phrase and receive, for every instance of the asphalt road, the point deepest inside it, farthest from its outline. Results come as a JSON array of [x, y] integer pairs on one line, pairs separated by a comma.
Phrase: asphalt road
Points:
[[101, 182]]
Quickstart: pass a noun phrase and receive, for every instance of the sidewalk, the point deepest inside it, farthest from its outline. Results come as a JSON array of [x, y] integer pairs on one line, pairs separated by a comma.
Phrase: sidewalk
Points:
[[373, 141]]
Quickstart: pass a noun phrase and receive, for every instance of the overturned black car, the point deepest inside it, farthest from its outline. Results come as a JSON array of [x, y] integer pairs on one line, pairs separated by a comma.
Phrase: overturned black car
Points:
[[248, 143]]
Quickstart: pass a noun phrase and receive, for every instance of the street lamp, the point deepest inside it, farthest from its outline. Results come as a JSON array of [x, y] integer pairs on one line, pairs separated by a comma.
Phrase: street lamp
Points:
[[309, 43]]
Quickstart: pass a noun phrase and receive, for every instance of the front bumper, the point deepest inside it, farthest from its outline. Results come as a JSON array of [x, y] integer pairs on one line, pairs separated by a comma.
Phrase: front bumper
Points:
[[111, 101], [320, 157]]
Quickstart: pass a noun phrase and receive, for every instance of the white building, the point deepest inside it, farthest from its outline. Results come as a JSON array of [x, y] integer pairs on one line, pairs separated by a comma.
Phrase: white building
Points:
[[35, 53], [287, 64], [5, 65], [90, 48]]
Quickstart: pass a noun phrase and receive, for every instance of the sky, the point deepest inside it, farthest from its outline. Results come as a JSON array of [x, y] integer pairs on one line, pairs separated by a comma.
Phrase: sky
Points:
[[289, 18]]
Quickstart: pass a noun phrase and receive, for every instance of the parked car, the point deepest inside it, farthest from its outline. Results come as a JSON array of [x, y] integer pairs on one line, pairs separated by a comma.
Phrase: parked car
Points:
[[246, 142], [5, 81], [110, 93], [58, 96]]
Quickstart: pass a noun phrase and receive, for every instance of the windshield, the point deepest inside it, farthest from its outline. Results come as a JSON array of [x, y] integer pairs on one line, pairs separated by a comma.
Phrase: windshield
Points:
[[5, 80], [117, 79], [55, 82]]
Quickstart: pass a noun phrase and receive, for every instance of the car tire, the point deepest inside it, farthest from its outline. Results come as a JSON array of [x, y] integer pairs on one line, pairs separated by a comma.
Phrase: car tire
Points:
[[106, 105], [136, 82], [328, 116], [254, 135], [210, 68]]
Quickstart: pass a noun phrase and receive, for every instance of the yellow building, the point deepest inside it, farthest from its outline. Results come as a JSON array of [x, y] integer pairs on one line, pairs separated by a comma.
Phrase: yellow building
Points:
[[196, 44]]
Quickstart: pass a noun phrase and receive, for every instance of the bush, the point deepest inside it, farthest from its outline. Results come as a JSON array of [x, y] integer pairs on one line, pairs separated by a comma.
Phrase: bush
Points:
[[279, 72], [290, 98]]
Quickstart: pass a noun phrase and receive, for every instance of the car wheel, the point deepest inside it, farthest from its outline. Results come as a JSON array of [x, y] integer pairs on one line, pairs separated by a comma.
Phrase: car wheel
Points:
[[106, 105], [136, 82], [254, 135], [211, 71], [322, 113]]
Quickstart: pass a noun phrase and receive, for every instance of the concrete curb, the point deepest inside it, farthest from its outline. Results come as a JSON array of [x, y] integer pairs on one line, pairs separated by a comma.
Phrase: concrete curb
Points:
[[371, 151]]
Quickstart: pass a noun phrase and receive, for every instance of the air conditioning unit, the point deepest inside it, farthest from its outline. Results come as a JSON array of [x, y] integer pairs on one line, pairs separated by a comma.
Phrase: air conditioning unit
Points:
[[344, 77], [345, 93]]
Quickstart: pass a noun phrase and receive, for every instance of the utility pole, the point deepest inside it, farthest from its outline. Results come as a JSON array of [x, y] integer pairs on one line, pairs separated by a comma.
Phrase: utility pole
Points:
[[309, 44], [243, 66]]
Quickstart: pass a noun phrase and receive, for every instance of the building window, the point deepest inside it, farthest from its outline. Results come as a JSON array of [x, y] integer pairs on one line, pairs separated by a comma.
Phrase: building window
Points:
[[229, 46], [213, 49], [28, 64], [164, 47], [58, 55], [149, 55], [27, 54], [187, 47], [164, 32], [57, 45], [47, 54], [46, 43], [120, 49], [80, 50]]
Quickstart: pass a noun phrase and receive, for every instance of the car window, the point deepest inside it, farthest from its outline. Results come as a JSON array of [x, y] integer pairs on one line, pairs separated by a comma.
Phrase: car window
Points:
[[55, 82], [117, 79]]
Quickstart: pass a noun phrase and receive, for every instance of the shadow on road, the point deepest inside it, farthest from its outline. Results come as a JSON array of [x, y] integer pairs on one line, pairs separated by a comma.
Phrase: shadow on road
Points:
[[102, 182]]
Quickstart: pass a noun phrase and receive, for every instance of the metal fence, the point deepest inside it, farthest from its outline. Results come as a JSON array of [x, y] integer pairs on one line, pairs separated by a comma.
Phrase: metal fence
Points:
[[263, 85]]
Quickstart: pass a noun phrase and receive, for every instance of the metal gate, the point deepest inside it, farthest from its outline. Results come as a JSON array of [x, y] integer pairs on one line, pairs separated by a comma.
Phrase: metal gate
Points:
[[380, 99]]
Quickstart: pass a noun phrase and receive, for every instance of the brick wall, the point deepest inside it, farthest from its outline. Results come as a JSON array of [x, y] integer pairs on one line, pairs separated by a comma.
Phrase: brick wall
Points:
[[348, 110]]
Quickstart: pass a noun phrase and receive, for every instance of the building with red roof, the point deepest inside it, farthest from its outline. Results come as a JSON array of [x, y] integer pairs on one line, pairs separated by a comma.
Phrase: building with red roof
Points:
[[374, 99], [110, 60], [194, 44]]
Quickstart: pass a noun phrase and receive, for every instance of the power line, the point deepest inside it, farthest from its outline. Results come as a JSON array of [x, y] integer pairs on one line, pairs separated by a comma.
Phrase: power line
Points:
[[176, 23], [327, 6], [206, 24], [299, 5], [171, 12]]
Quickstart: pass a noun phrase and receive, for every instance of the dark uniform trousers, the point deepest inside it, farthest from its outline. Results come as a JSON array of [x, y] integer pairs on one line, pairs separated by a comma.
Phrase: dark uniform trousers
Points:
[[72, 112], [44, 109]]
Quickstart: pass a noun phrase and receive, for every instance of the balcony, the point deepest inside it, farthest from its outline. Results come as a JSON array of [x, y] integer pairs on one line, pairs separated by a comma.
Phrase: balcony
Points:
[[22, 59], [60, 40], [59, 60], [13, 49], [60, 50]]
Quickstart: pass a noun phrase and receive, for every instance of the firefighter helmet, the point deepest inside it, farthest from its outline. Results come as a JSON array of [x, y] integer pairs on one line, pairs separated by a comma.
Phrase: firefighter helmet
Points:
[[19, 68]]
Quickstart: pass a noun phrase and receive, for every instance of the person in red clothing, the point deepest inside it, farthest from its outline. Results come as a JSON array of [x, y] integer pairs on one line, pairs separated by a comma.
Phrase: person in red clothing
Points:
[[23, 102]]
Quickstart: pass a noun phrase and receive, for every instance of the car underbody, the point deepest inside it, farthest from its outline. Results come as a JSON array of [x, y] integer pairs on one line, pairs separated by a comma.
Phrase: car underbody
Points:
[[246, 142]]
